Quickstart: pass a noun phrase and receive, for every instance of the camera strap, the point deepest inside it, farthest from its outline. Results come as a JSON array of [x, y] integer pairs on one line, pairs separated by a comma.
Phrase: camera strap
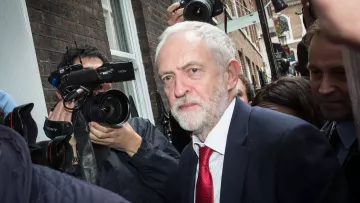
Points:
[[54, 129], [88, 165]]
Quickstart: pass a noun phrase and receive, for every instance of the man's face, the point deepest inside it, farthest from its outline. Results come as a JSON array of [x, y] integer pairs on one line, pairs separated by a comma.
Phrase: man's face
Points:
[[242, 91], [94, 62], [196, 88], [328, 80]]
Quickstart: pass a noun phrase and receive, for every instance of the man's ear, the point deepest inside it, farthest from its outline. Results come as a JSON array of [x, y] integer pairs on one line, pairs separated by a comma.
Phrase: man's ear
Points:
[[233, 69]]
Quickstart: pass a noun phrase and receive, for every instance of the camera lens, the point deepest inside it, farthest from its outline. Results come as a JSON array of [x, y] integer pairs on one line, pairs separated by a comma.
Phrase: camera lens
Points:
[[110, 108], [198, 10]]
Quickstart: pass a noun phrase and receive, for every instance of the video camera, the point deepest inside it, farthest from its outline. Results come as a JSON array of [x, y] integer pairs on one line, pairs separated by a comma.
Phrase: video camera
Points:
[[201, 10], [76, 83]]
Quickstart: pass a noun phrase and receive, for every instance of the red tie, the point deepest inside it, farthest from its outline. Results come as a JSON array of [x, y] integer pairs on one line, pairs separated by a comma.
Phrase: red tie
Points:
[[204, 184]]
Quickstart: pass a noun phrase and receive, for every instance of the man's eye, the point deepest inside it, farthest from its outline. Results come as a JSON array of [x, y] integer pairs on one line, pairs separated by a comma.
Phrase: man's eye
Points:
[[194, 70], [167, 78]]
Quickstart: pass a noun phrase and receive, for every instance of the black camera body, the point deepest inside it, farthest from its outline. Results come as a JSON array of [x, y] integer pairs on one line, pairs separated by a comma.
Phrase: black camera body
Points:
[[76, 83], [69, 79], [201, 10], [111, 108], [22, 122]]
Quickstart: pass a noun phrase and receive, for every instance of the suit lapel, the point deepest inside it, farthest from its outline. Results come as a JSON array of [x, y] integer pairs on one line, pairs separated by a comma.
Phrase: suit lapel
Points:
[[188, 174], [236, 155]]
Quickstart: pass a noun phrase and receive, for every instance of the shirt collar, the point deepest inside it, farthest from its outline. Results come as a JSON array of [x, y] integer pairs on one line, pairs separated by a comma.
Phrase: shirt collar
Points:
[[216, 140], [346, 131]]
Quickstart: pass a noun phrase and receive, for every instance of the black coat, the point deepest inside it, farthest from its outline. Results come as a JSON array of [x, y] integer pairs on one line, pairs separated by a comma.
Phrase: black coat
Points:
[[351, 164], [23, 182], [270, 157]]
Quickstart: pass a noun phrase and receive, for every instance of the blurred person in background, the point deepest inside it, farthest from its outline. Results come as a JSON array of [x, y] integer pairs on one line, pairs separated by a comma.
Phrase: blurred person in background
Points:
[[290, 95], [302, 52]]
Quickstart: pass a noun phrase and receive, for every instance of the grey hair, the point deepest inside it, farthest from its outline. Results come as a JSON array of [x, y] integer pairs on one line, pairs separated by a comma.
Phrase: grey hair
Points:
[[220, 45]]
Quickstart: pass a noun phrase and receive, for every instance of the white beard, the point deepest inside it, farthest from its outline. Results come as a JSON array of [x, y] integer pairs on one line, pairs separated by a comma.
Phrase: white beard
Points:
[[205, 114]]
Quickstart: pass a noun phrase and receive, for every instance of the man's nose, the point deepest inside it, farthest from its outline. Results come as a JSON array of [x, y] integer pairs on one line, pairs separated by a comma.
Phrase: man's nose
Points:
[[181, 87], [326, 86]]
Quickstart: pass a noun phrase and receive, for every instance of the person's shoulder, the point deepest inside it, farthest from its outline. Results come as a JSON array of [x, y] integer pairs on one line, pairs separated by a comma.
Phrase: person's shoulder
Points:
[[271, 121], [141, 125], [5, 129], [272, 116], [138, 121], [53, 186]]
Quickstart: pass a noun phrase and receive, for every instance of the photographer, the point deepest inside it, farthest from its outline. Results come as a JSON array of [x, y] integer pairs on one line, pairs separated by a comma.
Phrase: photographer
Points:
[[140, 159]]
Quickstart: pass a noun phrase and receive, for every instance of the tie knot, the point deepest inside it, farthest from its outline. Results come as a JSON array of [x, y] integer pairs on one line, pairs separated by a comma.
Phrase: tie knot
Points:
[[204, 155]]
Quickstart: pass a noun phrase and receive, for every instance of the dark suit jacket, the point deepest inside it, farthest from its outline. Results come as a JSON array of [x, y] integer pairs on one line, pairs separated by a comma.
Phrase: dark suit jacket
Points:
[[269, 157]]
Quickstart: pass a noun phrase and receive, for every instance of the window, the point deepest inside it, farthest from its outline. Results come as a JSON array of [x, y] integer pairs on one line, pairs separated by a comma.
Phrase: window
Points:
[[285, 27], [124, 46]]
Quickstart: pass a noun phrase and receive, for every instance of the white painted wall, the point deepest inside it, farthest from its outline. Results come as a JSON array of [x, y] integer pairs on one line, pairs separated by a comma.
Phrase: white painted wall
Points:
[[19, 73]]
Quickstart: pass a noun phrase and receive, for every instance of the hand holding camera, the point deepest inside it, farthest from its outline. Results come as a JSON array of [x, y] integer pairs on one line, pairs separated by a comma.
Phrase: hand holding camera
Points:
[[124, 138], [175, 14], [81, 104]]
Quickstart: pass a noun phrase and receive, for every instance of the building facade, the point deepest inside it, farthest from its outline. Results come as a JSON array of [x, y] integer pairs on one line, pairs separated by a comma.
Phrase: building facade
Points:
[[125, 30], [112, 25], [106, 24], [293, 26]]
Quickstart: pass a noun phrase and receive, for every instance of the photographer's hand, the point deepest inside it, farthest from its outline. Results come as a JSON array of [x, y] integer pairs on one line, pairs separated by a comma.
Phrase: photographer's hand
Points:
[[60, 113], [175, 15], [124, 138]]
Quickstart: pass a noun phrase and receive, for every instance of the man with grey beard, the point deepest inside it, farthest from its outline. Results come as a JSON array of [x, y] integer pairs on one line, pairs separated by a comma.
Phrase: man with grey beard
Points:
[[238, 153]]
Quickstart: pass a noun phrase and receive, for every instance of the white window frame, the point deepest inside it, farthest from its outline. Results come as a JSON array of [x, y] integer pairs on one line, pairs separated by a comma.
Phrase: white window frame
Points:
[[139, 87], [303, 32]]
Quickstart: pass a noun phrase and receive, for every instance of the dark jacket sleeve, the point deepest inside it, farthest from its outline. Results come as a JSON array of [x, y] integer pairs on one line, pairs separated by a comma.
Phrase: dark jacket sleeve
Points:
[[307, 168], [155, 161], [52, 186]]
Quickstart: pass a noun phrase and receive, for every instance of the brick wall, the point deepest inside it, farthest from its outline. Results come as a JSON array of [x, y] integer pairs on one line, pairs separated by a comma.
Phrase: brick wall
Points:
[[249, 42], [151, 21], [57, 24]]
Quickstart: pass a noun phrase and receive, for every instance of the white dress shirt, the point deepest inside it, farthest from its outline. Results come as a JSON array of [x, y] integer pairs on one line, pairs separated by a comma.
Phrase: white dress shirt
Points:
[[216, 140]]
